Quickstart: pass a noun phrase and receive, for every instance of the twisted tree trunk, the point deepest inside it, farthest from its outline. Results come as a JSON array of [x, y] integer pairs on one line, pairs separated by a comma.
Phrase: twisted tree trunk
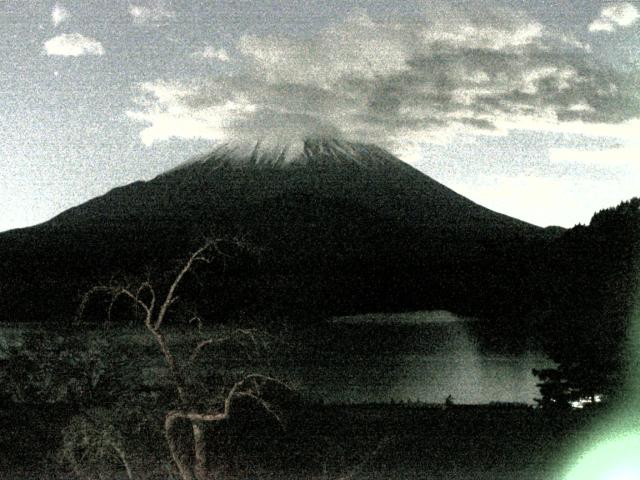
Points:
[[197, 466], [199, 469]]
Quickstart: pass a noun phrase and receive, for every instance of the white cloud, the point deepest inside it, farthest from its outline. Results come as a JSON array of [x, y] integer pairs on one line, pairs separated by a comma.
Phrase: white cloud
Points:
[[399, 84], [599, 25], [73, 45], [170, 118], [212, 53], [618, 14], [59, 14], [150, 14]]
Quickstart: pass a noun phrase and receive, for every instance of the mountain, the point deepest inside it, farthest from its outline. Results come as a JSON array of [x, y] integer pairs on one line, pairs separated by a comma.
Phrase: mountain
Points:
[[340, 227], [330, 170]]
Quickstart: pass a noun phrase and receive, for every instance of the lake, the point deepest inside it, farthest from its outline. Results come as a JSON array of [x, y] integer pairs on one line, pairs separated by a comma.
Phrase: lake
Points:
[[421, 356]]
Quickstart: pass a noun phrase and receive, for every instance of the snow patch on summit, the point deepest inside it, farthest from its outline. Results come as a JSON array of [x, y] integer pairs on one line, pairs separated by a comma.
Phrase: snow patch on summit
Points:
[[313, 151]]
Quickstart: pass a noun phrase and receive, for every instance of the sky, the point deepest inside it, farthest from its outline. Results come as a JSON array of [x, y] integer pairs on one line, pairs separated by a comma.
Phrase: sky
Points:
[[528, 107]]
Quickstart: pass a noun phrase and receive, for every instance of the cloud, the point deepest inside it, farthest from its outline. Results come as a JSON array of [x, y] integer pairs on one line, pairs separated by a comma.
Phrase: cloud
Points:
[[150, 14], [171, 117], [212, 53], [59, 14], [398, 84], [73, 45], [618, 14]]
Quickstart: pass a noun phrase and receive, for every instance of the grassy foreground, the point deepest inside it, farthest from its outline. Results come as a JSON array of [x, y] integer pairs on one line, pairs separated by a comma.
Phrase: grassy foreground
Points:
[[356, 442]]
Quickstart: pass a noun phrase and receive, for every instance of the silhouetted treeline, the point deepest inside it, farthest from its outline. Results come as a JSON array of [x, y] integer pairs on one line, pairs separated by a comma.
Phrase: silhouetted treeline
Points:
[[594, 275]]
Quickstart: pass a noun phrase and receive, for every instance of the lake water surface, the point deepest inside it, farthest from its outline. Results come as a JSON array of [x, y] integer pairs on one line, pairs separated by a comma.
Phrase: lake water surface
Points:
[[423, 356]]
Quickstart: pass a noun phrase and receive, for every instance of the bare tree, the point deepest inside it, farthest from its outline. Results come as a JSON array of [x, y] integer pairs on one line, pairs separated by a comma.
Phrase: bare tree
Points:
[[155, 307]]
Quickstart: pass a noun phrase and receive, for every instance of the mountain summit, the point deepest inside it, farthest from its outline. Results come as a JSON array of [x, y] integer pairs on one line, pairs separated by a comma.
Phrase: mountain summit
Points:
[[340, 226], [312, 151]]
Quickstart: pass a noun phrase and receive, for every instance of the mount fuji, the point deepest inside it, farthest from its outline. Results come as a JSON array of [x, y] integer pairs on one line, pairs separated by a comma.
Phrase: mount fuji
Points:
[[341, 227]]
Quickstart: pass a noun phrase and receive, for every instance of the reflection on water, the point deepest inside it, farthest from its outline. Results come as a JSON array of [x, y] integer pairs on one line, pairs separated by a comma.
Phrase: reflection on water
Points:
[[440, 357]]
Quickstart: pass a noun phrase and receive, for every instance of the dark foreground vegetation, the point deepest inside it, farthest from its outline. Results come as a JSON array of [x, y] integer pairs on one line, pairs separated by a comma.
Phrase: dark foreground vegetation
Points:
[[92, 403], [322, 442]]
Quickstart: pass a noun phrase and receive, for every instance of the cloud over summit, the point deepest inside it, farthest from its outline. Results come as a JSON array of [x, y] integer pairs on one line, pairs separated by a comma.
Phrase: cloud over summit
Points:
[[393, 82]]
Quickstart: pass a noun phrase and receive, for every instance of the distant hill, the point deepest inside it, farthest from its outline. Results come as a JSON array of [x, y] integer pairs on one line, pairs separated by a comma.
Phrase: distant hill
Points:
[[340, 227]]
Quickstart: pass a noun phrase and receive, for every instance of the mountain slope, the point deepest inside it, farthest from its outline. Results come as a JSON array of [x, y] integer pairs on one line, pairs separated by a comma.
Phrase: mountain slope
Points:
[[358, 173], [341, 227]]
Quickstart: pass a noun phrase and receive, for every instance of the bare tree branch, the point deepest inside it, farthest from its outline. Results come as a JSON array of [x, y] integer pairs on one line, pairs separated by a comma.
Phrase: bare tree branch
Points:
[[87, 297], [219, 341], [156, 308], [137, 301], [196, 256], [198, 348], [148, 287], [196, 318], [256, 380]]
